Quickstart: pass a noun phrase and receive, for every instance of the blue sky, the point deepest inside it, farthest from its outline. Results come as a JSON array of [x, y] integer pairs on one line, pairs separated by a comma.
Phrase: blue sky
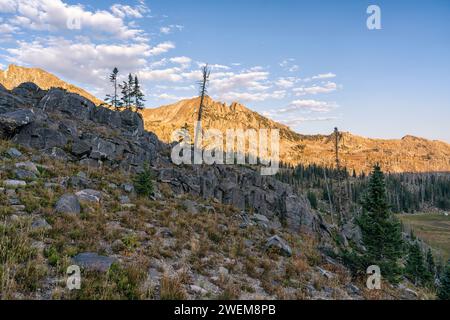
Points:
[[310, 64]]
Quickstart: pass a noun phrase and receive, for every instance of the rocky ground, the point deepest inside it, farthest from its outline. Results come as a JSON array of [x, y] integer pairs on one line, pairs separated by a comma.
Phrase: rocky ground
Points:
[[67, 197]]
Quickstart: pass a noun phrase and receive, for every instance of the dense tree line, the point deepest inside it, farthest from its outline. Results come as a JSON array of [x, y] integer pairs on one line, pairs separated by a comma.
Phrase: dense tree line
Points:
[[406, 192]]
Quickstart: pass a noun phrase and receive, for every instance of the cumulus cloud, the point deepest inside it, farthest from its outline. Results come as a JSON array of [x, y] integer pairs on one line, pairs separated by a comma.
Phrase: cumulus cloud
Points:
[[321, 76], [6, 28], [286, 82], [87, 62], [183, 61], [317, 89], [308, 105], [7, 6], [289, 65], [162, 48], [251, 97], [168, 74], [123, 11], [55, 15], [169, 29], [296, 121]]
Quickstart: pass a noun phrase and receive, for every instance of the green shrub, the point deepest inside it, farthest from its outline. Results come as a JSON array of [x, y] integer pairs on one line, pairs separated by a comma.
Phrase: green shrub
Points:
[[143, 182]]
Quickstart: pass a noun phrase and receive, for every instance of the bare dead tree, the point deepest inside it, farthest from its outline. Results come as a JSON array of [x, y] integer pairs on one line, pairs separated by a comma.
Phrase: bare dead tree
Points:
[[203, 91]]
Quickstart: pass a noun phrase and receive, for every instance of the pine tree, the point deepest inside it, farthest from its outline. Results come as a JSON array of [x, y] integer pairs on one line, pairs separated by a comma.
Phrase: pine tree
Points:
[[381, 231], [113, 98], [444, 288], [431, 266], [130, 86], [138, 95], [415, 268]]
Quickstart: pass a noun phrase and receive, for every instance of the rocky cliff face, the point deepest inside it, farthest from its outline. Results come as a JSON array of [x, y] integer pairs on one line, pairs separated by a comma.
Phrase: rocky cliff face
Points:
[[15, 75], [70, 127], [409, 154]]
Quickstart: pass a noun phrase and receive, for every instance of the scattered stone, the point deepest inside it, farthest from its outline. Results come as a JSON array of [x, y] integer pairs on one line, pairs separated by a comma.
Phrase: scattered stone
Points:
[[128, 187], [112, 186], [165, 233], [128, 206], [14, 201], [18, 207], [57, 153], [28, 165], [80, 148], [353, 289], [325, 273], [69, 204], [93, 262], [14, 183], [223, 271], [190, 206], [13, 153], [261, 220], [198, 290], [89, 195], [124, 199], [41, 223], [88, 162], [277, 242], [51, 185], [24, 174], [10, 122], [118, 245]]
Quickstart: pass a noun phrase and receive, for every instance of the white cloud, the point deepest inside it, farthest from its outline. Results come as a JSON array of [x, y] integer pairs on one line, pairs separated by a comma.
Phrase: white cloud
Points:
[[251, 97], [326, 88], [289, 65], [294, 122], [55, 15], [321, 76], [169, 74], [184, 61], [87, 62], [164, 30], [162, 48], [308, 105], [165, 96], [223, 82], [8, 6], [123, 11], [7, 28], [169, 29], [286, 82]]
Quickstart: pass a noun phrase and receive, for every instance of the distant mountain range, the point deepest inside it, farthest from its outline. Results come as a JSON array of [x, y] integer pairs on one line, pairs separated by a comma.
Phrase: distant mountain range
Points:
[[409, 154]]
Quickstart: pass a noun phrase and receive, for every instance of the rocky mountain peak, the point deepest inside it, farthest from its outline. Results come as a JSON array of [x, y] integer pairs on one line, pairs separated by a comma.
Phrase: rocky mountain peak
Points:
[[14, 75]]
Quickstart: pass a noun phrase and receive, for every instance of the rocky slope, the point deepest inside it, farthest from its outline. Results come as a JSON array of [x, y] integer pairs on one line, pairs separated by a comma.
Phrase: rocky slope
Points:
[[67, 197], [15, 75], [409, 154]]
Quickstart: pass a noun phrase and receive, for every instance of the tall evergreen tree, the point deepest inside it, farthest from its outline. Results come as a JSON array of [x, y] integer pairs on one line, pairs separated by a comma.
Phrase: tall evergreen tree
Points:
[[113, 98], [415, 268], [138, 95], [444, 288], [130, 85], [381, 231], [431, 265], [127, 90]]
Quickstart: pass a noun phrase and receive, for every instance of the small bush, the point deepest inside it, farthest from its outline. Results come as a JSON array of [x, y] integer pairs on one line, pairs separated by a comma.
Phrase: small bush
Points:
[[143, 182]]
